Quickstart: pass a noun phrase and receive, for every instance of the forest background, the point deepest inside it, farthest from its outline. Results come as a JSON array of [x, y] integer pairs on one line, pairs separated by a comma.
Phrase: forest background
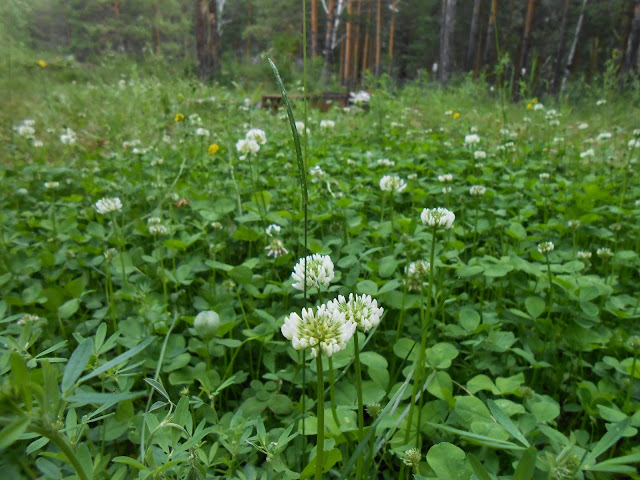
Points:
[[529, 47]]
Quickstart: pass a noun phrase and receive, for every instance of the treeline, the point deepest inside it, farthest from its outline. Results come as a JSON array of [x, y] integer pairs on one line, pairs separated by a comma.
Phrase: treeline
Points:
[[539, 45]]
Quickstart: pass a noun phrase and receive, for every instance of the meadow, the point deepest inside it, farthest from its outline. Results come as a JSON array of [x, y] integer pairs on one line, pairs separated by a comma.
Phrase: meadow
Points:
[[471, 309]]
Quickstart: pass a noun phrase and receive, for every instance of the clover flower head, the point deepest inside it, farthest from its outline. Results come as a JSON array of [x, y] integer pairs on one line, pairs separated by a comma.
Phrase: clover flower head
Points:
[[317, 174], [107, 205], [583, 126], [479, 154], [412, 458], [247, 147], [276, 248], [538, 106], [545, 247], [256, 135], [604, 253], [588, 153], [194, 119], [602, 136], [544, 177], [68, 137], [573, 224], [51, 185], [392, 183], [319, 272], [478, 190], [361, 309], [446, 190], [584, 254], [471, 139], [417, 272], [327, 124], [445, 178], [359, 98], [155, 226], [202, 132], [438, 217], [326, 330], [385, 162], [110, 254], [273, 228]]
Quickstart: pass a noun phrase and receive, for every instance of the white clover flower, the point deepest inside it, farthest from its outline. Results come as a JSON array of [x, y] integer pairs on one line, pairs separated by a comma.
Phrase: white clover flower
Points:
[[51, 185], [600, 102], [325, 331], [273, 228], [300, 127], [447, 177], [554, 122], [361, 309], [319, 272], [194, 119], [583, 126], [438, 217], [544, 177], [110, 254], [587, 153], [417, 272], [479, 154], [446, 190], [37, 143], [478, 190], [392, 183], [602, 136], [573, 224], [360, 98], [206, 324], [276, 248], [247, 147], [256, 135], [385, 162], [471, 139], [558, 139], [216, 225], [545, 247], [327, 124], [68, 137], [158, 229], [584, 254], [538, 106], [412, 458], [22, 191], [108, 205], [637, 203], [202, 132], [317, 174], [604, 253], [25, 130], [633, 143], [615, 227], [412, 176]]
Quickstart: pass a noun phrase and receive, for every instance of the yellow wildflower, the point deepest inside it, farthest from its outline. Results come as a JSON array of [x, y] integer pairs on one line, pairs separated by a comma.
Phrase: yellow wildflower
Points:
[[456, 116], [213, 148], [179, 117], [529, 106], [535, 100], [42, 63]]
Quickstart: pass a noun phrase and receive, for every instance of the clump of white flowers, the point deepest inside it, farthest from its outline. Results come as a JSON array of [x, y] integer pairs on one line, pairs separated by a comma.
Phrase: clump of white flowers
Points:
[[202, 132], [359, 98], [257, 135], [545, 247], [361, 309], [471, 139], [325, 331], [479, 154], [438, 217], [319, 272], [26, 128], [477, 190], [107, 205], [392, 183], [327, 124], [155, 226], [68, 137], [445, 178]]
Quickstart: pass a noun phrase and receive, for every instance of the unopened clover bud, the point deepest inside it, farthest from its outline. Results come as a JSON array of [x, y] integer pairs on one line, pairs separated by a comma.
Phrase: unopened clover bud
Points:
[[206, 324], [374, 409]]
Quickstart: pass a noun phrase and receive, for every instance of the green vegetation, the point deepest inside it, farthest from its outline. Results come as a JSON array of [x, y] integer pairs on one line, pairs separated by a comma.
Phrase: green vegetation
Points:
[[144, 286]]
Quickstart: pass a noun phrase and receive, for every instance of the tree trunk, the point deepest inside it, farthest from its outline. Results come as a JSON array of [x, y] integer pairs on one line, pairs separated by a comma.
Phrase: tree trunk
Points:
[[630, 59], [156, 29], [561, 47], [356, 44], [446, 40], [473, 35], [249, 19], [348, 47], [207, 44], [365, 48], [378, 65], [328, 36], [524, 49], [394, 8], [574, 46], [490, 38], [314, 28]]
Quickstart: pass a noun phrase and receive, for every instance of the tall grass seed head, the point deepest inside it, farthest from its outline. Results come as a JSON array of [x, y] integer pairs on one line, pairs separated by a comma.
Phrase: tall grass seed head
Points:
[[319, 272], [361, 309], [438, 217], [325, 331]]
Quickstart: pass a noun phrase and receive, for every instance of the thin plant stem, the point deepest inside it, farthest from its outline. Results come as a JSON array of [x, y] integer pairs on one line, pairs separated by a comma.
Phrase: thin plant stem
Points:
[[356, 364], [332, 393], [320, 424], [423, 345]]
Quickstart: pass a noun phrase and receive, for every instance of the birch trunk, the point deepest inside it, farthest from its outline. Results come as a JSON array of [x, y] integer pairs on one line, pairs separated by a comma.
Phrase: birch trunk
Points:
[[473, 35], [562, 40], [574, 46], [378, 65], [524, 49], [490, 38], [446, 40], [392, 29], [630, 60]]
